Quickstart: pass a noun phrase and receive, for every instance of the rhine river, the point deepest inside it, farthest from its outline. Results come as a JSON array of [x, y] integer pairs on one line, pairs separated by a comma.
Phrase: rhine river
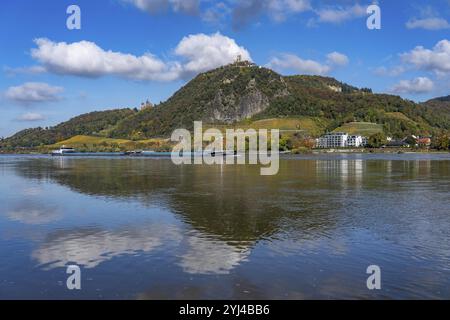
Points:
[[143, 228]]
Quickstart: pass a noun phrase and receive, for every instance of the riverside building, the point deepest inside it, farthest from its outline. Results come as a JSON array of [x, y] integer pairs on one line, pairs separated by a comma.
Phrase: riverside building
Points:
[[341, 140]]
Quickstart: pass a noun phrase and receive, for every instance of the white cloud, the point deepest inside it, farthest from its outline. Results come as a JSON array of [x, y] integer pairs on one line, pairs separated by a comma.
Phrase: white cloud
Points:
[[415, 86], [156, 6], [217, 14], [279, 9], [293, 62], [390, 72], [298, 5], [288, 61], [209, 256], [28, 70], [429, 19], [204, 52], [33, 92], [86, 59], [197, 53], [337, 59], [247, 10], [436, 60], [186, 6], [91, 247], [432, 23], [340, 14], [28, 213], [242, 11], [31, 116]]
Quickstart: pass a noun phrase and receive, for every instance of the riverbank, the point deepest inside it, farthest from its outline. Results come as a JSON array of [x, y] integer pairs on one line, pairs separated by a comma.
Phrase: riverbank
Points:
[[367, 150], [294, 152]]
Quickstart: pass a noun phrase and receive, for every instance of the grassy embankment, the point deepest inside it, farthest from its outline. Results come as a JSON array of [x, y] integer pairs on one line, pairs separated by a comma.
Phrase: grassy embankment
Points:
[[365, 129], [102, 144]]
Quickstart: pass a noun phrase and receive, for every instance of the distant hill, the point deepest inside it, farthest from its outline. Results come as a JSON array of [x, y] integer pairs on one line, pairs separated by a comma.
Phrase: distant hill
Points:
[[440, 99], [243, 94], [441, 108], [94, 123], [441, 104]]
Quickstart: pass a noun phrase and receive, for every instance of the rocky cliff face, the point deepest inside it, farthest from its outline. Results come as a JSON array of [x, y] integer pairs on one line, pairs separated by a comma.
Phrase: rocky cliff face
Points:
[[229, 106]]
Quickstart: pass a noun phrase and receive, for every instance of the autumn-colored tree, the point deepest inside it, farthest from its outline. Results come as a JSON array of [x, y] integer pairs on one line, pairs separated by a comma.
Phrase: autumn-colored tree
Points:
[[377, 140]]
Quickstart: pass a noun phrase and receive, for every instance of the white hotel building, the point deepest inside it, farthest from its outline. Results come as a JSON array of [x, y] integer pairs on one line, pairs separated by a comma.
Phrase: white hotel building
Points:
[[341, 140]]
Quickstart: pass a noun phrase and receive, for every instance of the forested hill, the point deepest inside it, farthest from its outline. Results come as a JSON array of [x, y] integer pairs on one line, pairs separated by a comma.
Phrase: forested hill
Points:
[[94, 123], [442, 103], [243, 93], [445, 99]]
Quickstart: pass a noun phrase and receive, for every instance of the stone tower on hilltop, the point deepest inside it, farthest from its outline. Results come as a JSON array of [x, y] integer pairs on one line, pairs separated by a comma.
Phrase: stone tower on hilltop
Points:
[[146, 105]]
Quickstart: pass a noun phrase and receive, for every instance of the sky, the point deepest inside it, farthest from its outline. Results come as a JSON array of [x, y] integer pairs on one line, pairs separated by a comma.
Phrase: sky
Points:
[[128, 51]]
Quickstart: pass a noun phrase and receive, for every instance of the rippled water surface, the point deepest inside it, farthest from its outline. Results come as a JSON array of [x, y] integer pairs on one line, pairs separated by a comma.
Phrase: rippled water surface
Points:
[[146, 229]]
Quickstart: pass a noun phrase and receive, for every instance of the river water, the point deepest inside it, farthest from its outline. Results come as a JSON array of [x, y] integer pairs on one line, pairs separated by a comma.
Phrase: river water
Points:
[[143, 228]]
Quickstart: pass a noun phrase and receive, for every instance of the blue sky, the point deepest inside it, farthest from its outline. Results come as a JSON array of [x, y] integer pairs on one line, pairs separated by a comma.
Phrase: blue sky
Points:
[[128, 51]]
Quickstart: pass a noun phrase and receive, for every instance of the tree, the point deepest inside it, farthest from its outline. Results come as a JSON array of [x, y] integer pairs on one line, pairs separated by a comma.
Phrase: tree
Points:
[[441, 142], [377, 140], [285, 143]]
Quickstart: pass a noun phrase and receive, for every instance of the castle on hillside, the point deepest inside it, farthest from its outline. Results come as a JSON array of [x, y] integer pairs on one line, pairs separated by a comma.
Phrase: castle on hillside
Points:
[[146, 105], [243, 63]]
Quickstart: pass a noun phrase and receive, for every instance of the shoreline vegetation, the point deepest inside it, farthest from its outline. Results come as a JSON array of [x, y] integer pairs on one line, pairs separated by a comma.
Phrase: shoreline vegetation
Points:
[[293, 152], [297, 135], [288, 144]]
